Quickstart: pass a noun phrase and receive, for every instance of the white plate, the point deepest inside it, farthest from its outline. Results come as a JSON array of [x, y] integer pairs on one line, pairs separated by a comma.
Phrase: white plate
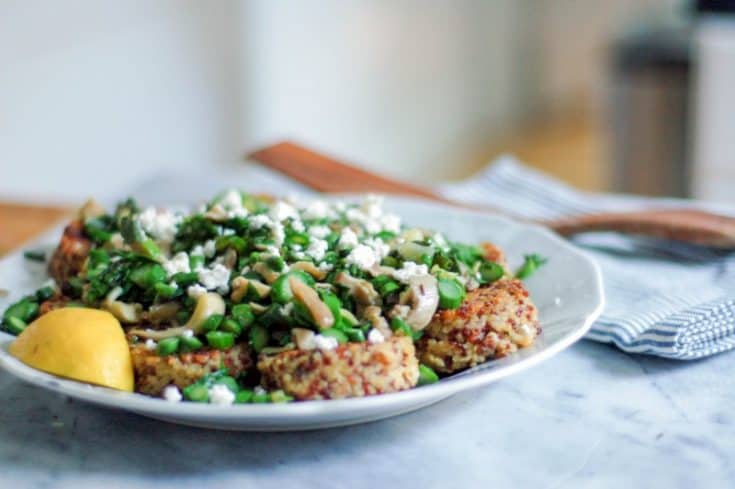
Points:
[[567, 291]]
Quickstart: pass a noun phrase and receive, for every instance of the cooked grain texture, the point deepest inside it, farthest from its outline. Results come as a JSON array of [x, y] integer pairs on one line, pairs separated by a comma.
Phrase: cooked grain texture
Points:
[[492, 322], [69, 257], [350, 370], [154, 372]]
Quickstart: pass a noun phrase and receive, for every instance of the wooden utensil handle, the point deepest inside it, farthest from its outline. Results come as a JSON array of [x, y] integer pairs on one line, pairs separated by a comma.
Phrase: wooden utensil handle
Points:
[[329, 175]]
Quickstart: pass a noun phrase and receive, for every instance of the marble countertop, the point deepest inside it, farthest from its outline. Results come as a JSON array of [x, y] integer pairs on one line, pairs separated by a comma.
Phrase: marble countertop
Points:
[[590, 417]]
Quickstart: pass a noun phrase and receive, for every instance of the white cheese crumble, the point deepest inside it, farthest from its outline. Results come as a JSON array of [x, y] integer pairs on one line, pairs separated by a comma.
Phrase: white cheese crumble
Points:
[[221, 394], [178, 264], [322, 342], [187, 333], [363, 256], [375, 336], [410, 270], [347, 239], [259, 391], [317, 209], [209, 248], [282, 210], [298, 226], [150, 344], [317, 249], [159, 225], [391, 222], [216, 277], [379, 247], [195, 291], [171, 393], [320, 232], [260, 220], [231, 202], [278, 233]]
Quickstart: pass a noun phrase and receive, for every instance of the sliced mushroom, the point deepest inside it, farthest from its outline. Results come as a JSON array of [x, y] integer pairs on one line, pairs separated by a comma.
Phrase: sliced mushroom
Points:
[[207, 305], [423, 297], [124, 312], [257, 308], [308, 297], [241, 286], [362, 290], [229, 259], [216, 213], [90, 210], [375, 316], [413, 234], [268, 274], [304, 338], [310, 268], [163, 313]]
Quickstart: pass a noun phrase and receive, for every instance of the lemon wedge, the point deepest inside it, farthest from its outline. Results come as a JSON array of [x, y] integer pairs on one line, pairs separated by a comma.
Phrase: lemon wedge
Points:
[[78, 343]]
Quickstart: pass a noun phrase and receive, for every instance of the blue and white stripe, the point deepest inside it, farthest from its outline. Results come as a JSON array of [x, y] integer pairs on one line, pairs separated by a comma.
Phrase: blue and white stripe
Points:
[[663, 298]]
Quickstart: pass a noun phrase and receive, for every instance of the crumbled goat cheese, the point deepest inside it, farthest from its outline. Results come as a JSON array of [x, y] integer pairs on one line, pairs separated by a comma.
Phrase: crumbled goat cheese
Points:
[[298, 226], [325, 267], [178, 264], [381, 249], [228, 232], [322, 342], [209, 248], [150, 344], [391, 222], [197, 250], [278, 233], [159, 225], [320, 232], [347, 239], [375, 336], [187, 333], [273, 250], [410, 270], [259, 391], [317, 249], [231, 200], [216, 277], [260, 220], [372, 206], [195, 291], [363, 256], [282, 210], [172, 394], [317, 209], [221, 394]]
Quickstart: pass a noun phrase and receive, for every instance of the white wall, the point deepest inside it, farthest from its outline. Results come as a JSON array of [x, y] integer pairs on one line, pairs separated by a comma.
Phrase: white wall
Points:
[[96, 94]]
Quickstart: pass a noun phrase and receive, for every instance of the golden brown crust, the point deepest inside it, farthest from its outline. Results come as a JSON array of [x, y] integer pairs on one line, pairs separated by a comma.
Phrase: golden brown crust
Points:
[[154, 372], [350, 370], [69, 257], [492, 322]]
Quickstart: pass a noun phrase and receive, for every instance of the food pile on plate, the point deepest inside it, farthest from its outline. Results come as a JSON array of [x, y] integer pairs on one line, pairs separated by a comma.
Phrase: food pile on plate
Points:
[[250, 299]]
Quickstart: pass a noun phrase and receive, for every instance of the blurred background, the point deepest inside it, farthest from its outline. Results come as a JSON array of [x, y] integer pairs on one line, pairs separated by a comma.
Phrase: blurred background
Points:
[[627, 95]]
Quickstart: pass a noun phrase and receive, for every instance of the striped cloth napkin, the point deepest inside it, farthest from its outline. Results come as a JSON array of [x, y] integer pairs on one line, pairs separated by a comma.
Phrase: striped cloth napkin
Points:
[[663, 298]]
